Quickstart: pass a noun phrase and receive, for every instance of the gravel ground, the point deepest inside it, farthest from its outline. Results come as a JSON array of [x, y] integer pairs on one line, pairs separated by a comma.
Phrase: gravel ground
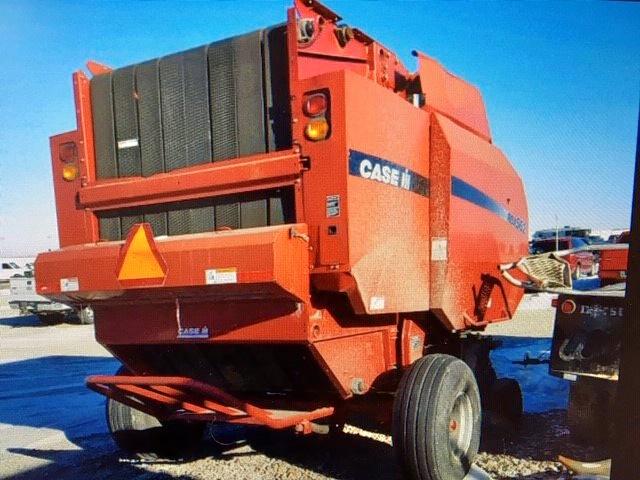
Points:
[[357, 455], [52, 426]]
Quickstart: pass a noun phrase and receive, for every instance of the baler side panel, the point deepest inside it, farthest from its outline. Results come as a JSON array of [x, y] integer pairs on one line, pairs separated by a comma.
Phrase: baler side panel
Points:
[[452, 96], [487, 225], [388, 223]]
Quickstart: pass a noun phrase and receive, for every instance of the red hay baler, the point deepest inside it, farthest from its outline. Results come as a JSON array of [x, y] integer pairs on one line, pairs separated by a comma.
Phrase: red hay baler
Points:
[[285, 227]]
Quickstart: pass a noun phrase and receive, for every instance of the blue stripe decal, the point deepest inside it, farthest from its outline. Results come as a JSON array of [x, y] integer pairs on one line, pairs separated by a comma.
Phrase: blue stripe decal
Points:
[[380, 170], [384, 171], [462, 189]]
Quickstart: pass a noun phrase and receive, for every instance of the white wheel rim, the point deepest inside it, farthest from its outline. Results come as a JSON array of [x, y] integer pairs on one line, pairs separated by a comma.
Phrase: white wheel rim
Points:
[[460, 425]]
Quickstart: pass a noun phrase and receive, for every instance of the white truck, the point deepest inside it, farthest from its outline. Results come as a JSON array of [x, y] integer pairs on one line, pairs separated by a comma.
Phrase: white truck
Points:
[[10, 267], [23, 297]]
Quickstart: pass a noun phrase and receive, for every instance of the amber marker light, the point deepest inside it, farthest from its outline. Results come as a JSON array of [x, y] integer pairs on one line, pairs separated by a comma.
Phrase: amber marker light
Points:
[[70, 172], [317, 129]]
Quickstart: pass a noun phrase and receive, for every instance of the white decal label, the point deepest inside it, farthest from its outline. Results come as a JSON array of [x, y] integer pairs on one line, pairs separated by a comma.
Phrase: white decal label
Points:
[[333, 206], [217, 276], [376, 303], [570, 376], [131, 142], [438, 249], [69, 284]]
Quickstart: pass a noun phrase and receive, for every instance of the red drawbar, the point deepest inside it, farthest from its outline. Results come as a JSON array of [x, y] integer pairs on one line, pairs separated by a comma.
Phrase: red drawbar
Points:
[[187, 399]]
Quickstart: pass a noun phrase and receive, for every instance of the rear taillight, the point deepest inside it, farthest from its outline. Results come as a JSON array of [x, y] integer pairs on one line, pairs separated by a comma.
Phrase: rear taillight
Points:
[[316, 107], [68, 153]]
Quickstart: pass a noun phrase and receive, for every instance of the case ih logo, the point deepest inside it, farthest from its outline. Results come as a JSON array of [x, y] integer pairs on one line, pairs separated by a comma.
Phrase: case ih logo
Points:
[[193, 332], [389, 173]]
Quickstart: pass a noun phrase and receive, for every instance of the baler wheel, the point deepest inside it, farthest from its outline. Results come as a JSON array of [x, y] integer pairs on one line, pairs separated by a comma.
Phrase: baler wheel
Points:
[[145, 436], [436, 419], [506, 399], [86, 316]]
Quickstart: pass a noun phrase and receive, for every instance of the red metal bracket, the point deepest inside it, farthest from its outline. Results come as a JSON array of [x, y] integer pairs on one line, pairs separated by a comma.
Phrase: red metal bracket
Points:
[[230, 176], [97, 68], [188, 399]]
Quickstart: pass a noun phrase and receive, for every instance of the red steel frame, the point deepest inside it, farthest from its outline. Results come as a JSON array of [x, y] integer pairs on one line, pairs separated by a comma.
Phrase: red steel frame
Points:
[[354, 348], [180, 398]]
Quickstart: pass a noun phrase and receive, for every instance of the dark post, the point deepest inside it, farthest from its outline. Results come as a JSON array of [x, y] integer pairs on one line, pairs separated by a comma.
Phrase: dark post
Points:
[[627, 439]]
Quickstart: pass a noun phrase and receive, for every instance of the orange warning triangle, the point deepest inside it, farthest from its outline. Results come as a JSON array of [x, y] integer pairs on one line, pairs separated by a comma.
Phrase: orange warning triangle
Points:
[[140, 259]]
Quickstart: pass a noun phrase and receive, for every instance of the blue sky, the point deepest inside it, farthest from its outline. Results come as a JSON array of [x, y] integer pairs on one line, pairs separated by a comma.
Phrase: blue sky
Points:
[[560, 81]]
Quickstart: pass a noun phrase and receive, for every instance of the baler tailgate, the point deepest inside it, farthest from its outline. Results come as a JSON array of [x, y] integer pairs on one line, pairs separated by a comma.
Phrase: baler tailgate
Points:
[[173, 398], [254, 262]]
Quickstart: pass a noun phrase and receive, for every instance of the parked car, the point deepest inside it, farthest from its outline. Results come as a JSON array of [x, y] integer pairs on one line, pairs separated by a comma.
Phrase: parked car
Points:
[[23, 297], [613, 263], [10, 269], [596, 240], [582, 263], [566, 231]]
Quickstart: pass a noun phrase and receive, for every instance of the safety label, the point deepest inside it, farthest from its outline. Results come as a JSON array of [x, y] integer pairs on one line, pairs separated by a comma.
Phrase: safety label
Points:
[[333, 206], [69, 284], [217, 276], [376, 303], [438, 249]]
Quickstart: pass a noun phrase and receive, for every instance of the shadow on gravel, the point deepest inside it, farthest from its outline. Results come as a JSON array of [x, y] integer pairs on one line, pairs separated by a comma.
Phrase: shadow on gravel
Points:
[[22, 321], [45, 405], [540, 436], [346, 456], [47, 413], [100, 459], [538, 439]]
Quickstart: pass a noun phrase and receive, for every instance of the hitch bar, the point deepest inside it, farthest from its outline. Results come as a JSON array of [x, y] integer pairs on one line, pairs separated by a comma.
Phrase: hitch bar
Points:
[[183, 398]]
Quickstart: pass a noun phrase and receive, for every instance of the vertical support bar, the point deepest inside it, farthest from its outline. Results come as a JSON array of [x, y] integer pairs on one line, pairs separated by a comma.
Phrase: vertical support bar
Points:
[[294, 85], [627, 405], [84, 121], [412, 339]]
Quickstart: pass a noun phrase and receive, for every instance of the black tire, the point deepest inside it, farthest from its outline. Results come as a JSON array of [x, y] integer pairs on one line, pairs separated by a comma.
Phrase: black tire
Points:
[[85, 316], [506, 399], [477, 356], [436, 419], [591, 410], [50, 318], [147, 437]]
